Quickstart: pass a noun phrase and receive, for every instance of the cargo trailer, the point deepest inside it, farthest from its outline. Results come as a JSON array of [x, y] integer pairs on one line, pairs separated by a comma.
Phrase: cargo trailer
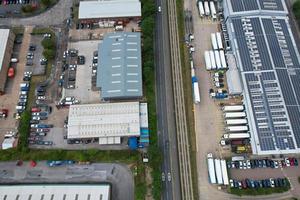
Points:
[[232, 129], [233, 108], [207, 60], [218, 171], [228, 115], [211, 169], [214, 42], [212, 60]]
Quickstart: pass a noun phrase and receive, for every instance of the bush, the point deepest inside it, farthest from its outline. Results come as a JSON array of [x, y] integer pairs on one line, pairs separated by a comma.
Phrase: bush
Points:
[[48, 43], [47, 3], [27, 9], [296, 9], [24, 131], [49, 54]]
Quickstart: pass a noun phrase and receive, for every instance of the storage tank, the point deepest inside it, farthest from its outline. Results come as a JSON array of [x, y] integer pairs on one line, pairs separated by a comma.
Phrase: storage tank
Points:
[[201, 8], [218, 171], [211, 169], [236, 121], [232, 129], [207, 60], [218, 61], [233, 108], [224, 172], [223, 59], [228, 115], [214, 42], [219, 40], [206, 8], [212, 60]]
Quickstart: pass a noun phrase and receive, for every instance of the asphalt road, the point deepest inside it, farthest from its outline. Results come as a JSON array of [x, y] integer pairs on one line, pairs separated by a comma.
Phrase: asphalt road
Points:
[[165, 106]]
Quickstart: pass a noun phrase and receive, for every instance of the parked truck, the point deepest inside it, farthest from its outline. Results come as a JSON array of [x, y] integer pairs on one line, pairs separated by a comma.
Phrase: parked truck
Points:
[[235, 129], [213, 10], [201, 9], [214, 42], [223, 59], [224, 172], [232, 136], [206, 8], [219, 40], [207, 60], [212, 60], [233, 115], [218, 171], [211, 169], [234, 108], [236, 121], [196, 92], [218, 60]]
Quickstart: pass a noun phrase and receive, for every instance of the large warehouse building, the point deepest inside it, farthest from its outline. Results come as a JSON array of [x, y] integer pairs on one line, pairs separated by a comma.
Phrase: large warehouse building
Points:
[[112, 10], [119, 72], [6, 47], [109, 122], [55, 192], [269, 65]]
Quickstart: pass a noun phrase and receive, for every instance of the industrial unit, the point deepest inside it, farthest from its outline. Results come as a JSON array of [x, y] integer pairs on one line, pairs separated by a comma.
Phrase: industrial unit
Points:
[[6, 46], [113, 10], [119, 71], [109, 122], [268, 63], [55, 192]]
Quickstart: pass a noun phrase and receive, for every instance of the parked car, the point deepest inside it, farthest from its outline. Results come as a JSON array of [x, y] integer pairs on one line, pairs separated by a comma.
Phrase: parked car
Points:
[[287, 162], [11, 72]]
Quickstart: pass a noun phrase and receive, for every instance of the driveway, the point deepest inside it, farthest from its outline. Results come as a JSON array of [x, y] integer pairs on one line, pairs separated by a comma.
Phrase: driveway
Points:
[[118, 175], [54, 16]]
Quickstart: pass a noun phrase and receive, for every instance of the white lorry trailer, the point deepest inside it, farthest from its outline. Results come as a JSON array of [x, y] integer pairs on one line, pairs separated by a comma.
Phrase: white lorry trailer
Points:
[[228, 115], [201, 9], [206, 8], [236, 129], [223, 59], [211, 169], [207, 60], [233, 136], [213, 10], [212, 60], [214, 42], [233, 108], [224, 172], [218, 171], [218, 60], [236, 121], [219, 40], [196, 92]]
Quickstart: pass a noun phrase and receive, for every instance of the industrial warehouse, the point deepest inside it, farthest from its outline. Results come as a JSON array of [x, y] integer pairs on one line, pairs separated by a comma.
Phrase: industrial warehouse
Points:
[[109, 122], [119, 74], [105, 11], [268, 61], [55, 192], [6, 47]]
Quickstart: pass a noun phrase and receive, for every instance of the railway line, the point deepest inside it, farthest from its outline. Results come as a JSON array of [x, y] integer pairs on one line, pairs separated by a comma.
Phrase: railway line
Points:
[[180, 113]]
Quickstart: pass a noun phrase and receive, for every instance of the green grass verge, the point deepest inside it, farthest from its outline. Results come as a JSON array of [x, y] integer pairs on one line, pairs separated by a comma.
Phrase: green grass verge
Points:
[[188, 94], [258, 191]]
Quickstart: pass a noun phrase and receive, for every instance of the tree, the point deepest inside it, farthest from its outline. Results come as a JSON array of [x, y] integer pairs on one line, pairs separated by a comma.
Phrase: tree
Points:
[[296, 9], [46, 2], [49, 54], [48, 43], [27, 9]]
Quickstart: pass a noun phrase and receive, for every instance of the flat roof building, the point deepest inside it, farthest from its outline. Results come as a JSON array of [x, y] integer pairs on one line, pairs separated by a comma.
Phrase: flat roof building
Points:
[[268, 62], [107, 121], [119, 71], [55, 192], [6, 47], [109, 10]]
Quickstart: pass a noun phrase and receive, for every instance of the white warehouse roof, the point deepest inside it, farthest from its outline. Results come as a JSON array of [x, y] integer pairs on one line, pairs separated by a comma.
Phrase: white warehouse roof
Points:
[[109, 9], [104, 120], [4, 34], [55, 192]]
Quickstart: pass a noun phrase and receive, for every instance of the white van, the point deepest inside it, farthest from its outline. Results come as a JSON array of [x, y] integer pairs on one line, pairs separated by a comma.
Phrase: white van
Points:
[[14, 60]]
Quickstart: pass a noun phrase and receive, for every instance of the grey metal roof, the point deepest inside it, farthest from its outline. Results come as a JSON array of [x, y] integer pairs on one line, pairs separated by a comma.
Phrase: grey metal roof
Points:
[[109, 9], [269, 63], [251, 7], [119, 72], [4, 34]]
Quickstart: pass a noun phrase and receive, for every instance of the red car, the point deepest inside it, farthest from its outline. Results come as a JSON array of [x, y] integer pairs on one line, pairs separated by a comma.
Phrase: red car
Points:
[[292, 161], [35, 109], [11, 72]]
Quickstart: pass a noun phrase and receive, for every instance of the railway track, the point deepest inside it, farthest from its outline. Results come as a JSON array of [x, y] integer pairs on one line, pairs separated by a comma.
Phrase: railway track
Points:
[[180, 114]]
